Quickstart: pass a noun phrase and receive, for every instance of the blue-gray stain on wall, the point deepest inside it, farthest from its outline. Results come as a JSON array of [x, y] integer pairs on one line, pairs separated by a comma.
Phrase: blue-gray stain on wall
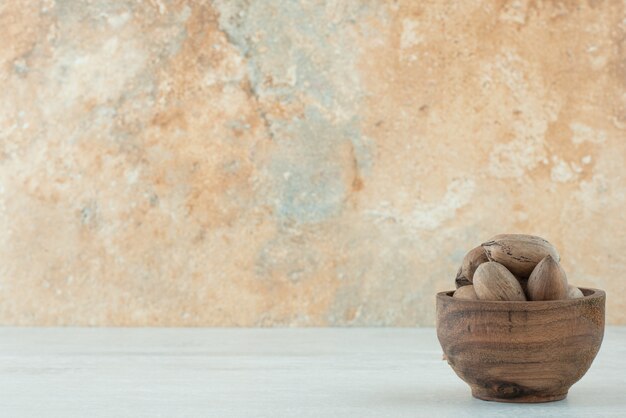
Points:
[[291, 60]]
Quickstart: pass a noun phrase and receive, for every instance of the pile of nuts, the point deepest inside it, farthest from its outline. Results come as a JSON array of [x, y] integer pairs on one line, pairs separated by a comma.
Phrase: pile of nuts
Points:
[[514, 267]]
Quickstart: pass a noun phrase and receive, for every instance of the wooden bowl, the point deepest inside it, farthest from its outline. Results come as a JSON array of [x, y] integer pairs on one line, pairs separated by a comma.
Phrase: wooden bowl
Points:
[[521, 351]]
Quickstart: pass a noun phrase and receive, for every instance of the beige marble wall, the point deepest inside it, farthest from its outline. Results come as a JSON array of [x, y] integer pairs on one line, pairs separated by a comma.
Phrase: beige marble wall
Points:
[[258, 163]]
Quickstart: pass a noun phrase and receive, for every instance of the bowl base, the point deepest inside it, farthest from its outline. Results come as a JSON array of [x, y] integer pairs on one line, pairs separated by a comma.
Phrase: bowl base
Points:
[[491, 395]]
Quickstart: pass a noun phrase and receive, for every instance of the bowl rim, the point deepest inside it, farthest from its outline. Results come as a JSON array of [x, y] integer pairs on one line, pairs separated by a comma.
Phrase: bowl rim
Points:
[[595, 294]]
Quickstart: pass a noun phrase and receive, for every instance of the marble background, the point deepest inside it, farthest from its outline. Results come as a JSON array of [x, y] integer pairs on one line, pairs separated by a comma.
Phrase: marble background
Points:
[[300, 163]]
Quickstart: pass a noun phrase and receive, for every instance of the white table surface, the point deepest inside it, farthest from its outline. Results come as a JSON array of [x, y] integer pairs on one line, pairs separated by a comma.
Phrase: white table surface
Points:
[[339, 372]]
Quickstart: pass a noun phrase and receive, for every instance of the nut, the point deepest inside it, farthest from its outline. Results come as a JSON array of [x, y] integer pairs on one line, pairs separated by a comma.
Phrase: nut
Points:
[[492, 281], [471, 261], [465, 292], [548, 281], [519, 253], [573, 292]]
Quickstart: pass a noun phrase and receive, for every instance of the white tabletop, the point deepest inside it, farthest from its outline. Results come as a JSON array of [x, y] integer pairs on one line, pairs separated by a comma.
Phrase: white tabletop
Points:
[[74, 372]]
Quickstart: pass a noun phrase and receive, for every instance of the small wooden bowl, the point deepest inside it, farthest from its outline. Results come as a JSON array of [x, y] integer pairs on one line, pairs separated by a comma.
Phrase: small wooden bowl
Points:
[[521, 351]]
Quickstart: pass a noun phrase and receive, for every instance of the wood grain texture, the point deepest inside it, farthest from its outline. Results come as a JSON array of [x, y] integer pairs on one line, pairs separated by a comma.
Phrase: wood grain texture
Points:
[[521, 351]]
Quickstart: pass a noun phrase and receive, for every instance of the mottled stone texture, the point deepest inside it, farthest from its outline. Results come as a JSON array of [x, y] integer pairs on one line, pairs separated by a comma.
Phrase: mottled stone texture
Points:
[[258, 163]]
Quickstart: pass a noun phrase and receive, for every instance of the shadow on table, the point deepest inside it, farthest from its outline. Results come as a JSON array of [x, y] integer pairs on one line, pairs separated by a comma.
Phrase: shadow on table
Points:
[[414, 396], [455, 401], [437, 397]]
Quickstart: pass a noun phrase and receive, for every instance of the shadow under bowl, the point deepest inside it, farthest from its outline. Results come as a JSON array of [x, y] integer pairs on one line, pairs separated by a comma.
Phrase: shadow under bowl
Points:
[[521, 351]]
